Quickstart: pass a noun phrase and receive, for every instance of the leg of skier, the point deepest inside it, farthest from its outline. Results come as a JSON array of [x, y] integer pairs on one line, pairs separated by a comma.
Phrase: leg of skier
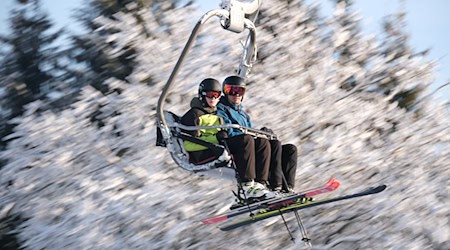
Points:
[[242, 149], [289, 165], [247, 154], [276, 171], [263, 156]]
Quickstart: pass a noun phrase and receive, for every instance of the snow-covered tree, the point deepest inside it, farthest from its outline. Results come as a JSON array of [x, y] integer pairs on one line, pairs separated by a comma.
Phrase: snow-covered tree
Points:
[[405, 74], [389, 67], [82, 184], [100, 50], [29, 61], [352, 51]]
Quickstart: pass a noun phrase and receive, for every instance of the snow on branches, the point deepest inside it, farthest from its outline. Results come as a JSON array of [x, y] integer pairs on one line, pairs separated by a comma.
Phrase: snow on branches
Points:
[[90, 176]]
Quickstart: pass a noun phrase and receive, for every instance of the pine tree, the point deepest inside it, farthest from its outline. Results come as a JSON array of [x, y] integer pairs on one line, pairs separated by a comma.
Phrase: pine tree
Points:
[[389, 69], [127, 43], [406, 74], [28, 62], [104, 56], [289, 33], [352, 51]]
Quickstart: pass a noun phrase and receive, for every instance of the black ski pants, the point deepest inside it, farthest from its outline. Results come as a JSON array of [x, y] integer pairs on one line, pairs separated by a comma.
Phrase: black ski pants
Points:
[[283, 164], [251, 156]]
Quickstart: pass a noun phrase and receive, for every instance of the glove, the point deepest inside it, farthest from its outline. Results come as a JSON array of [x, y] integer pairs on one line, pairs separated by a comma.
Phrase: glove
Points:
[[266, 129], [222, 135]]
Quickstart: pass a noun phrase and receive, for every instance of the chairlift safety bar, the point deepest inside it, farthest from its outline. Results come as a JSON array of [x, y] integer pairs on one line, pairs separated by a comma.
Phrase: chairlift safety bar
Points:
[[245, 130]]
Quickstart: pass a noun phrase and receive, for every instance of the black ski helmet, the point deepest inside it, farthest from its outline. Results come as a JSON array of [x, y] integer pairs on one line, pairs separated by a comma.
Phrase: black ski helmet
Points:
[[235, 81], [209, 84]]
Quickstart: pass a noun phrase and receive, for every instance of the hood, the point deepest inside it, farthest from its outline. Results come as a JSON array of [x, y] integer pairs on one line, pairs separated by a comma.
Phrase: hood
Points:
[[197, 103]]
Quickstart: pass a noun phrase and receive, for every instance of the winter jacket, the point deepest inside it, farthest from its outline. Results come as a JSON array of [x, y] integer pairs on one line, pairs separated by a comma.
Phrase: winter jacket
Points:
[[199, 115], [233, 114]]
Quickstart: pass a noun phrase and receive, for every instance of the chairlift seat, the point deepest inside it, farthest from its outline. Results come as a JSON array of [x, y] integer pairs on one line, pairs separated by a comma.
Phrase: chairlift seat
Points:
[[174, 141]]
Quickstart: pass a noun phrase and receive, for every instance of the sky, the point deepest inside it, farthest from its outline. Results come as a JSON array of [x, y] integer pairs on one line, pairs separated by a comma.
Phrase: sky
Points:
[[428, 24]]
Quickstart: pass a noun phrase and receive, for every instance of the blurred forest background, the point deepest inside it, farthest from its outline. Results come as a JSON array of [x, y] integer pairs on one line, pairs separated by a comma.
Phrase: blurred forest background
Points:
[[104, 86]]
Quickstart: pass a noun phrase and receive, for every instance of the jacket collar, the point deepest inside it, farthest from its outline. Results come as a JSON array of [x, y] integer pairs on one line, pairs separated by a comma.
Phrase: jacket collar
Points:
[[224, 101]]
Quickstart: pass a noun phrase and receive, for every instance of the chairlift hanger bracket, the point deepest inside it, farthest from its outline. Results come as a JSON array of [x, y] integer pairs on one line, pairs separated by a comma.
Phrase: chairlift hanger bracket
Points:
[[238, 11]]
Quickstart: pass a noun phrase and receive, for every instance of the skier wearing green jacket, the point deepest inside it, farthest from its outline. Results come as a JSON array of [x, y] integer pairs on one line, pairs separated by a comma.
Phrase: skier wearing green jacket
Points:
[[202, 113]]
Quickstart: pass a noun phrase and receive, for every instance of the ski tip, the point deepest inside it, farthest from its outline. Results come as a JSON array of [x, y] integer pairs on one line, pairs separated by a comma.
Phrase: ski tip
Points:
[[332, 184], [376, 189], [380, 188], [331, 181], [335, 185], [214, 220]]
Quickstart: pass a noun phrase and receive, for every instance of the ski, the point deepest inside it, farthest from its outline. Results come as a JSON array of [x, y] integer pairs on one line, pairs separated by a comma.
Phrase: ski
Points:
[[264, 213], [331, 185]]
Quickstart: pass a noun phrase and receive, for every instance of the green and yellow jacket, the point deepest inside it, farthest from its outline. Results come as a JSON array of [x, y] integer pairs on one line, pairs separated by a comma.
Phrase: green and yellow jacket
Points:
[[199, 115]]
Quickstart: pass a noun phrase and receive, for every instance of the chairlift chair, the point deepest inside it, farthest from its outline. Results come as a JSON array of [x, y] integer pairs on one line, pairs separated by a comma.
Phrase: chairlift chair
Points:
[[236, 17]]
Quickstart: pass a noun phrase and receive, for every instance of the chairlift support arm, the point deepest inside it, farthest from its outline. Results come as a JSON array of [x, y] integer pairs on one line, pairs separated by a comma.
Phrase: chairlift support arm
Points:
[[234, 19], [237, 17]]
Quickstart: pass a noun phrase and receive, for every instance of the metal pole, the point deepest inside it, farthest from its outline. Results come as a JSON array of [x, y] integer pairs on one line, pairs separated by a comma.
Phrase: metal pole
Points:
[[181, 59]]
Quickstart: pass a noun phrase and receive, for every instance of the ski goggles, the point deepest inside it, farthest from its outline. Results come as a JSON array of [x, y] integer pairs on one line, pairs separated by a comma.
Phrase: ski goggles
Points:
[[233, 90], [212, 94]]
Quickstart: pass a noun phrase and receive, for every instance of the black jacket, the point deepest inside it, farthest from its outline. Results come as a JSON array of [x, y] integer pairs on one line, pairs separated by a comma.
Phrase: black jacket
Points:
[[197, 110]]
